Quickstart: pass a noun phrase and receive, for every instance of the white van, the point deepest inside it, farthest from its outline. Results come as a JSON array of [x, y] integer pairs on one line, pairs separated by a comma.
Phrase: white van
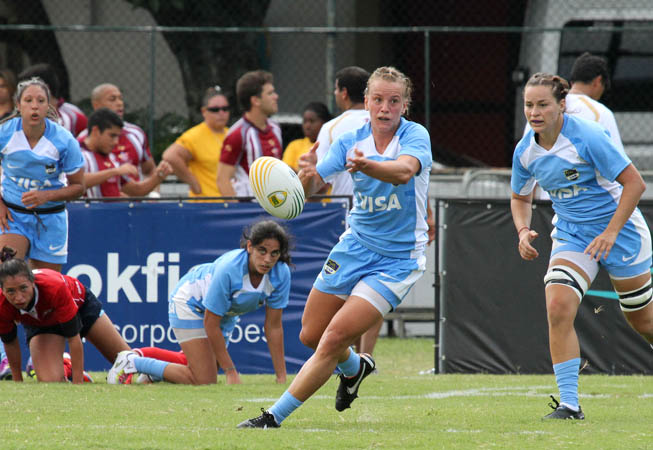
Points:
[[622, 32]]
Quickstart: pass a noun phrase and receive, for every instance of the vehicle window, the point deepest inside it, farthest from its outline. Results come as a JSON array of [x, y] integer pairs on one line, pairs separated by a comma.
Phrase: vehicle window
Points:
[[629, 54]]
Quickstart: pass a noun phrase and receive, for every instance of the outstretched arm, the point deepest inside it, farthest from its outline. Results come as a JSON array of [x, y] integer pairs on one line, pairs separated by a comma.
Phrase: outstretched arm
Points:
[[12, 349], [77, 358], [274, 335], [398, 171], [219, 346], [311, 180]]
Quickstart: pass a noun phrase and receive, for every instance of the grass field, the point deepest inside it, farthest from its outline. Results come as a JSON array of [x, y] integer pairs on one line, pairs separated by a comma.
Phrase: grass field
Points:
[[399, 408]]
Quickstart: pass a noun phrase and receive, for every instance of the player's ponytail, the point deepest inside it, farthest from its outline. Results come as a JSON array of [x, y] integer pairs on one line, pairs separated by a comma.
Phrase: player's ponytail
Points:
[[10, 266]]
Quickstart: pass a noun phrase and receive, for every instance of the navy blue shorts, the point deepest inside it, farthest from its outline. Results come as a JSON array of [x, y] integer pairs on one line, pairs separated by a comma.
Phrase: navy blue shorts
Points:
[[86, 316]]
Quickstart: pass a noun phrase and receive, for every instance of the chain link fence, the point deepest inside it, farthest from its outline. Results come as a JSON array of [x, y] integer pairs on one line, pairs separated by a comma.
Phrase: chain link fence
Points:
[[468, 60]]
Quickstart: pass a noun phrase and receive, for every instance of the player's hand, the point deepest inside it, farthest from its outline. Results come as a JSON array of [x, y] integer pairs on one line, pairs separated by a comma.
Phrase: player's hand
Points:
[[308, 161], [601, 245], [128, 169], [357, 163], [233, 377], [33, 199], [526, 250], [431, 230], [281, 379], [5, 217]]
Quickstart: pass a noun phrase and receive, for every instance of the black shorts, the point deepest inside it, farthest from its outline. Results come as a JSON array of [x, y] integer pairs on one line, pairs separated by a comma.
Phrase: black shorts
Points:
[[86, 316]]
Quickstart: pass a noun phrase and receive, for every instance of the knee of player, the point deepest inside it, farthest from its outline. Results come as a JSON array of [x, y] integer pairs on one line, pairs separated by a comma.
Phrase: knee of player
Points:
[[561, 308], [333, 342], [308, 338]]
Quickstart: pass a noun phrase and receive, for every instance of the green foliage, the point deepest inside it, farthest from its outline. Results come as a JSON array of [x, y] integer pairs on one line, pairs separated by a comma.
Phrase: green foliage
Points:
[[398, 409], [167, 128]]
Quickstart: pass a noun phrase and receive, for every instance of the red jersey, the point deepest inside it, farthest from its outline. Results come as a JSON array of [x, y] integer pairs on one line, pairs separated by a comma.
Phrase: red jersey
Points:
[[243, 144], [132, 146], [58, 297], [95, 162], [72, 118]]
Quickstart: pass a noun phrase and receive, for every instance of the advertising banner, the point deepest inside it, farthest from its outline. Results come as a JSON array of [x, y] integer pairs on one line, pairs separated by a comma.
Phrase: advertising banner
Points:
[[132, 254], [492, 307]]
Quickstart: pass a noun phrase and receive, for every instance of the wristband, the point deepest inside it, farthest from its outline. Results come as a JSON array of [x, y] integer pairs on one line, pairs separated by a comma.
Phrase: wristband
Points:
[[522, 229]]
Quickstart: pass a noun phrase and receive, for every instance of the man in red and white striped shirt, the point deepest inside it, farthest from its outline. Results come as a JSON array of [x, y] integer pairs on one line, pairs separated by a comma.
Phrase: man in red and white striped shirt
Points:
[[132, 145], [251, 137]]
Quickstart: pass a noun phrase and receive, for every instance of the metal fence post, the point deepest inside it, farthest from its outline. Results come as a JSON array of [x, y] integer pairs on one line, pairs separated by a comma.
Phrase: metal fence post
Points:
[[330, 54]]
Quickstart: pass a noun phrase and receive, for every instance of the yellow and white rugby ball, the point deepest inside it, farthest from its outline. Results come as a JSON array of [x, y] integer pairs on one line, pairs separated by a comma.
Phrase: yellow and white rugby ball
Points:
[[276, 187]]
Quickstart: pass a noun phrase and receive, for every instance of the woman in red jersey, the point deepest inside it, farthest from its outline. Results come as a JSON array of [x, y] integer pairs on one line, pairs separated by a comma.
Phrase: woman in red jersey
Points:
[[53, 308]]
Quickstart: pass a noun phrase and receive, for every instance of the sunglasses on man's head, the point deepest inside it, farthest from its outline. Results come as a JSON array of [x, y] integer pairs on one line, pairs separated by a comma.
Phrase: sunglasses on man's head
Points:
[[217, 108]]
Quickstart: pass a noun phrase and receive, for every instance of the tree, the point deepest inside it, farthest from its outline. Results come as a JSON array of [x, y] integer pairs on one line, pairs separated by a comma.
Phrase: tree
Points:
[[38, 46], [207, 59]]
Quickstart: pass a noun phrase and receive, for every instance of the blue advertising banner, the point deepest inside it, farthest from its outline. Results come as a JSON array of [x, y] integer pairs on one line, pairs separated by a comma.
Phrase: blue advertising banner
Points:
[[132, 254]]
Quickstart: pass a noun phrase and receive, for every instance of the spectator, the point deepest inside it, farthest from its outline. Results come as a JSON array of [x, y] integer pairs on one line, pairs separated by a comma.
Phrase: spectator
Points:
[[196, 154], [349, 94], [132, 145], [314, 116], [252, 136], [35, 186], [205, 306], [7, 92], [70, 116], [104, 176], [65, 311], [589, 81]]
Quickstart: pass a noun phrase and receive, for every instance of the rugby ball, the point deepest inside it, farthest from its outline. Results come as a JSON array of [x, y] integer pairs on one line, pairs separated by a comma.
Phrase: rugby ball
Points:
[[276, 187]]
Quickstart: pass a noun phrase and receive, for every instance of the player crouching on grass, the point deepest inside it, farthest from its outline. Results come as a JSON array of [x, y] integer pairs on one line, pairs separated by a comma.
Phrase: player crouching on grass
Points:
[[53, 308], [206, 304]]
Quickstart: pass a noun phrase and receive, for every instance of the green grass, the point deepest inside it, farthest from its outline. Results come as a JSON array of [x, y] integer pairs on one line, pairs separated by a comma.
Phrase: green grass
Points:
[[398, 409]]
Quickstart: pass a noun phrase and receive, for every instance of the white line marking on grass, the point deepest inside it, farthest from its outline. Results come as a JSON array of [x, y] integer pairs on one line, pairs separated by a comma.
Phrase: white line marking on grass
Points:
[[523, 391], [452, 430]]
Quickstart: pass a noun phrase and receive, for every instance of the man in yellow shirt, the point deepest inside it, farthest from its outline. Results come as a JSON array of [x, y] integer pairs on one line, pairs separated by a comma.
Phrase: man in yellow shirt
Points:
[[195, 155]]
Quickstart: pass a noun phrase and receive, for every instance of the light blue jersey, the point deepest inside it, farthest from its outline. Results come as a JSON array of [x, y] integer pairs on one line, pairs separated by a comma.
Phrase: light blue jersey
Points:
[[224, 288], [387, 219], [43, 167], [578, 172]]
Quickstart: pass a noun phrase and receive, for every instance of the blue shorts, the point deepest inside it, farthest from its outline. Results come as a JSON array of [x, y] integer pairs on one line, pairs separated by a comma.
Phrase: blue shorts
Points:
[[629, 257], [350, 262], [47, 234]]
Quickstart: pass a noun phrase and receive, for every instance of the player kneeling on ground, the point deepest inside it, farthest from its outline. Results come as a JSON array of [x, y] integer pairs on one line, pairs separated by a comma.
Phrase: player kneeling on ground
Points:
[[53, 308], [205, 307]]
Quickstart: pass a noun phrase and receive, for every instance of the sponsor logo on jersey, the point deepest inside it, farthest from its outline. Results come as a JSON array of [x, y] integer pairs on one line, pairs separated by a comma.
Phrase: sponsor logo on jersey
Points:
[[380, 203], [571, 174], [564, 193], [50, 168], [331, 266]]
